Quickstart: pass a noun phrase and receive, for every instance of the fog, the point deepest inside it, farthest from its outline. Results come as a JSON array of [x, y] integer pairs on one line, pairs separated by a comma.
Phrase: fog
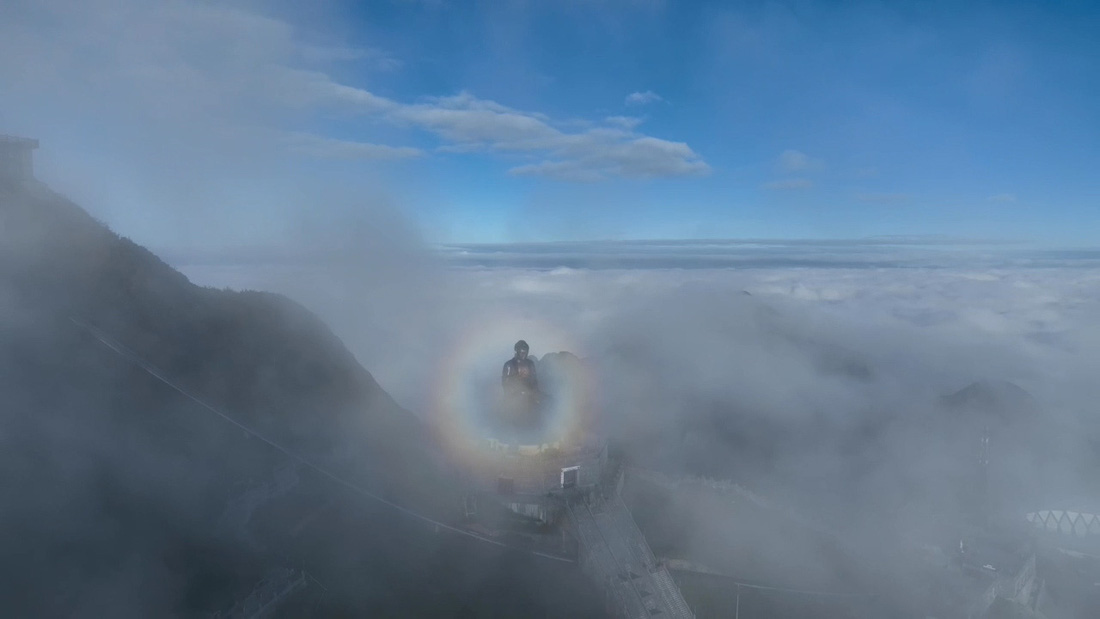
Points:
[[122, 480], [919, 331], [834, 375], [806, 374]]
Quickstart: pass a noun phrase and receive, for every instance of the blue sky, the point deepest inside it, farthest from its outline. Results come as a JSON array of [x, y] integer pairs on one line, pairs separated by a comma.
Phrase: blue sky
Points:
[[573, 120]]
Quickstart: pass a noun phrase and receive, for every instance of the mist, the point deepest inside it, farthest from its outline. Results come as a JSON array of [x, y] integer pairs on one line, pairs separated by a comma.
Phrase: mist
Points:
[[792, 413], [819, 388]]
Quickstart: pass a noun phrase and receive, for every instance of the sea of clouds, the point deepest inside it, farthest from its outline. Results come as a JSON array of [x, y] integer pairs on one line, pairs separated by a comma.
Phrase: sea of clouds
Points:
[[926, 319], [767, 374]]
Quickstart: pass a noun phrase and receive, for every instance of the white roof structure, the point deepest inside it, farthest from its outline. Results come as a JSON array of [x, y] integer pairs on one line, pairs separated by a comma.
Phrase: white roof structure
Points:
[[1067, 522]]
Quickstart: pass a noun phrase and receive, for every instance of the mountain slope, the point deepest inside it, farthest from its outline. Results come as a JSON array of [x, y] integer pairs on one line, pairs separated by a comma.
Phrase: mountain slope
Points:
[[115, 482]]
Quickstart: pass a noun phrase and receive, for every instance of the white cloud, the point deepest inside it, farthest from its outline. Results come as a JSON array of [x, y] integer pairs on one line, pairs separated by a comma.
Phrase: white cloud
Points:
[[1003, 197], [643, 98], [327, 148], [589, 154], [465, 119], [601, 154], [217, 66], [797, 161], [946, 320], [843, 359], [790, 183]]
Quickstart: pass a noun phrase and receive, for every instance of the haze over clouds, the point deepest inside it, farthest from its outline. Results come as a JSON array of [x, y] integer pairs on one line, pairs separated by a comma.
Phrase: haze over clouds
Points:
[[950, 319], [830, 348]]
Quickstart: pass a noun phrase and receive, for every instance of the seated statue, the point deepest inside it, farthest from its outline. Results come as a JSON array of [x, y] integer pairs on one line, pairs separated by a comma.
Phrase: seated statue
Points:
[[522, 398]]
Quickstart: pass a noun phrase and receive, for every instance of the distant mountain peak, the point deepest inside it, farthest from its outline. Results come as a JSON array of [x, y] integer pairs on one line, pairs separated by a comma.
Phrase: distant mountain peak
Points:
[[999, 398]]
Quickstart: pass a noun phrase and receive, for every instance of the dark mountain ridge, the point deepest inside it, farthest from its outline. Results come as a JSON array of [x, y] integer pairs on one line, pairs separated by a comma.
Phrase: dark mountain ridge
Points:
[[250, 350], [115, 481]]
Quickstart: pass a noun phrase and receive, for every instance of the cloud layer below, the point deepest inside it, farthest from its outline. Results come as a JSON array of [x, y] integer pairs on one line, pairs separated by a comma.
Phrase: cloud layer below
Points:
[[812, 386], [909, 302]]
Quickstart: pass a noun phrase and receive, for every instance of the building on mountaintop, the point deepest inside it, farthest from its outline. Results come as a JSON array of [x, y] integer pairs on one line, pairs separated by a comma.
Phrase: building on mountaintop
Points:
[[16, 158]]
